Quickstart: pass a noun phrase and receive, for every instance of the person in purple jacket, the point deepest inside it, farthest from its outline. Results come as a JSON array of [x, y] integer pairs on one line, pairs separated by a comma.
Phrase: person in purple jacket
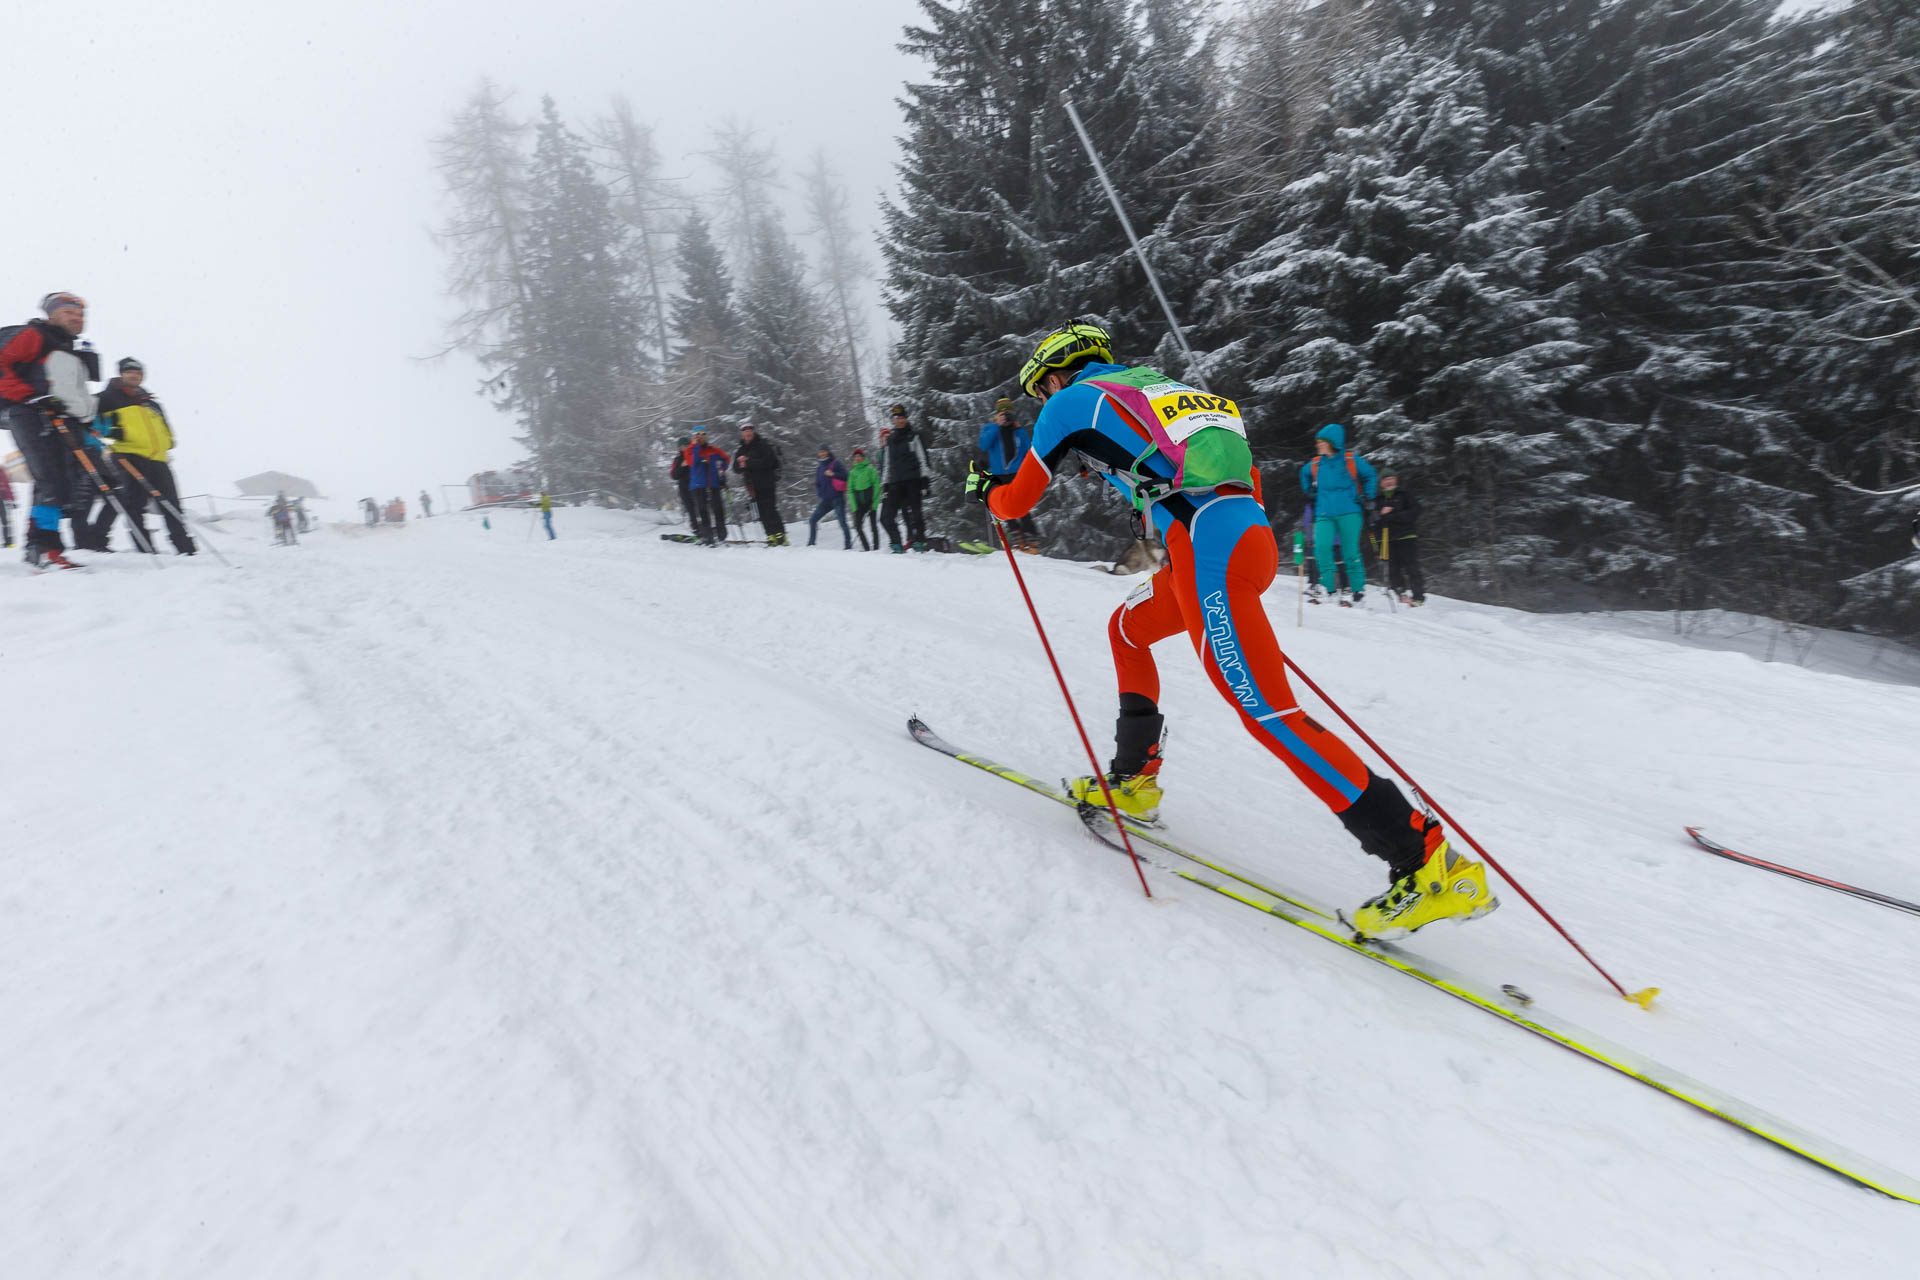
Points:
[[830, 487]]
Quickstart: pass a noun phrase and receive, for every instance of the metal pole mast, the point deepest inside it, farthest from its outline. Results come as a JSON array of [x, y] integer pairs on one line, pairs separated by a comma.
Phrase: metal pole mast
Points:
[[1179, 336]]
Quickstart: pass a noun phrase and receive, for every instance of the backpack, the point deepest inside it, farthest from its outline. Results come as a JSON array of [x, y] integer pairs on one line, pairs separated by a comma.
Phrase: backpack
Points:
[[1202, 435], [1313, 473]]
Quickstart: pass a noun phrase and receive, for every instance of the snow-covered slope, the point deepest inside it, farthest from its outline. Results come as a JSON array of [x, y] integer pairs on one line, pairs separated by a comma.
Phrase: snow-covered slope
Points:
[[442, 901]]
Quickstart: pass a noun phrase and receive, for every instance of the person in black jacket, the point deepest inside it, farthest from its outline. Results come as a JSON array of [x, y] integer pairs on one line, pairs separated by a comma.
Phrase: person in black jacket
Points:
[[903, 482], [759, 463], [1399, 515], [678, 472]]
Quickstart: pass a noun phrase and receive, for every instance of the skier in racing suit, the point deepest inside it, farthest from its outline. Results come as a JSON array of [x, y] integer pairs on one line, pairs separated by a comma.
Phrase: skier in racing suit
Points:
[[1181, 457]]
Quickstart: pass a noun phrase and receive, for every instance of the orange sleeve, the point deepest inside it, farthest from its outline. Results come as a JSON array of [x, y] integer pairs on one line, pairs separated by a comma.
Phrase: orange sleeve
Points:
[[1014, 499]]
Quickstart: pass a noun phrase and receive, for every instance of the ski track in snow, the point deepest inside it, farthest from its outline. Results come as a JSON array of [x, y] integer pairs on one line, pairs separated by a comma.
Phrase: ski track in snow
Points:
[[428, 901]]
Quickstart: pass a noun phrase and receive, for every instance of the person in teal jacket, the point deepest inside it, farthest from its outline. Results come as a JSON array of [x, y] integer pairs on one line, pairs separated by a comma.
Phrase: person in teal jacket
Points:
[[1339, 483]]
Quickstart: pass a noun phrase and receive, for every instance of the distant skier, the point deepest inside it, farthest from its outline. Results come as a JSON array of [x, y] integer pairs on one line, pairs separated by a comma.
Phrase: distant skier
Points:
[[1181, 457], [142, 441], [300, 518], [281, 513], [830, 488], [758, 463], [546, 515], [372, 510], [904, 480], [863, 495], [1339, 486], [707, 482], [426, 506], [28, 409], [1004, 445], [1400, 525]]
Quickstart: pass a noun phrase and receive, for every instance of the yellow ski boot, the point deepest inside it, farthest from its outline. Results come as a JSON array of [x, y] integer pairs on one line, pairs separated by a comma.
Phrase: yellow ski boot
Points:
[[1137, 797], [1446, 887]]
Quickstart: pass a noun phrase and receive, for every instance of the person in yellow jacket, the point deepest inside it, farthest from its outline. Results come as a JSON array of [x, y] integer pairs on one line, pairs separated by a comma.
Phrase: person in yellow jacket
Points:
[[546, 514], [142, 440]]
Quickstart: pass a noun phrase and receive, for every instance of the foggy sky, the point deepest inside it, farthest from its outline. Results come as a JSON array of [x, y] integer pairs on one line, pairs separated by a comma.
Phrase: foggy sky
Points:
[[243, 192]]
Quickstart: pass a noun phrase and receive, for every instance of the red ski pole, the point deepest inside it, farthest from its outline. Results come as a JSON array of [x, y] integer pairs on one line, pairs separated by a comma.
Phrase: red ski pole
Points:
[[1642, 998], [1105, 791]]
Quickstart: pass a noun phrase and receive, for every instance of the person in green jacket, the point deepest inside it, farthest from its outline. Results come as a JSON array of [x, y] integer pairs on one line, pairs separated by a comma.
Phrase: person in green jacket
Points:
[[863, 495], [546, 514]]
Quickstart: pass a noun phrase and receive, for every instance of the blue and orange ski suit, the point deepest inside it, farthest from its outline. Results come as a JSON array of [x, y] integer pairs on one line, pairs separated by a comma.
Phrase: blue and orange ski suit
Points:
[[1221, 557]]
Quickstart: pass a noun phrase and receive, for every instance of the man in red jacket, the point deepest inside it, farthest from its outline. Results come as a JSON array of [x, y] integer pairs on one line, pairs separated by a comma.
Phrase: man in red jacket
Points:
[[28, 409]]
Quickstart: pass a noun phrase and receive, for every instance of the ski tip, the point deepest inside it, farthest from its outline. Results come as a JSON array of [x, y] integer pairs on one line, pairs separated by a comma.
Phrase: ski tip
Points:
[[1644, 998]]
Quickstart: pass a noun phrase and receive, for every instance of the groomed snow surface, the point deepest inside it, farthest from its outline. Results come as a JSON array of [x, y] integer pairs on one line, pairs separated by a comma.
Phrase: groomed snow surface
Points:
[[441, 901]]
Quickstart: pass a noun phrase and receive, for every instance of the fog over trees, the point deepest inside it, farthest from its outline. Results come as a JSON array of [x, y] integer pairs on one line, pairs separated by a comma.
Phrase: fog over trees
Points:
[[1630, 291]]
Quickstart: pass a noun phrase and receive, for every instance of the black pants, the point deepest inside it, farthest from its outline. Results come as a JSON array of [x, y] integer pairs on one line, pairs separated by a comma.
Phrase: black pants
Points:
[[865, 518], [1403, 567], [50, 462], [713, 501], [696, 514], [6, 525], [903, 500], [765, 492], [140, 474]]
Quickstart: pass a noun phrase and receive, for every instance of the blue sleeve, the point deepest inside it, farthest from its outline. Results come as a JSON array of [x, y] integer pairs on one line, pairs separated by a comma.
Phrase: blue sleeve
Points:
[[986, 437], [1306, 479], [1067, 411], [1368, 476], [1022, 441]]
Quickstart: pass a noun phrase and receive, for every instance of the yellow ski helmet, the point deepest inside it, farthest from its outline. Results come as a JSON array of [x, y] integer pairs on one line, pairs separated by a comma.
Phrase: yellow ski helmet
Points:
[[1063, 347]]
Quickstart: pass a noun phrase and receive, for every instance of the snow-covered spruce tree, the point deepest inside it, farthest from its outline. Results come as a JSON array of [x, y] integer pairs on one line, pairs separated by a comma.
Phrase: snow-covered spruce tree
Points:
[[1846, 223], [708, 365], [583, 335], [1399, 294], [1000, 231], [791, 389]]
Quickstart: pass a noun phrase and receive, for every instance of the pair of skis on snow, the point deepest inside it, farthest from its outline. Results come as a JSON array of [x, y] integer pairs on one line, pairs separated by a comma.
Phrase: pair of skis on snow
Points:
[[1507, 1002]]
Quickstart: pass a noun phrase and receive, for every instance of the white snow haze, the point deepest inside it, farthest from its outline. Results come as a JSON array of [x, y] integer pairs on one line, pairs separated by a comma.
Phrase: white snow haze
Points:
[[244, 193]]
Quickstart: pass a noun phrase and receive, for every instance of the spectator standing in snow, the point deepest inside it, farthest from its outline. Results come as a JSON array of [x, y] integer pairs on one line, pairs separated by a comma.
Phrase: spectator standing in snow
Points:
[[546, 515], [863, 492], [141, 437], [830, 488], [1400, 525], [6, 506], [69, 374], [758, 463], [372, 510], [426, 506], [904, 482], [1339, 484], [1005, 445], [707, 481], [28, 408], [677, 472]]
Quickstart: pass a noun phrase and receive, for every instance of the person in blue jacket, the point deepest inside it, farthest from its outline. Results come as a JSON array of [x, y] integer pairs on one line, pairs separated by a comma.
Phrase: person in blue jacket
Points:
[[1339, 483], [1005, 445], [830, 487], [706, 467]]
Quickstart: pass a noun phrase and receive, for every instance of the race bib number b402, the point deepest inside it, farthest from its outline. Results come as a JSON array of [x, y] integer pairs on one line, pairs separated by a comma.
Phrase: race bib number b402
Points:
[[1181, 411]]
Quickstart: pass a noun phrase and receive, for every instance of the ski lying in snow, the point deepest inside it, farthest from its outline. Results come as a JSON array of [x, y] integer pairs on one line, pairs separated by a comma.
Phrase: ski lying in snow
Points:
[[1749, 860], [1511, 1004], [690, 540]]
